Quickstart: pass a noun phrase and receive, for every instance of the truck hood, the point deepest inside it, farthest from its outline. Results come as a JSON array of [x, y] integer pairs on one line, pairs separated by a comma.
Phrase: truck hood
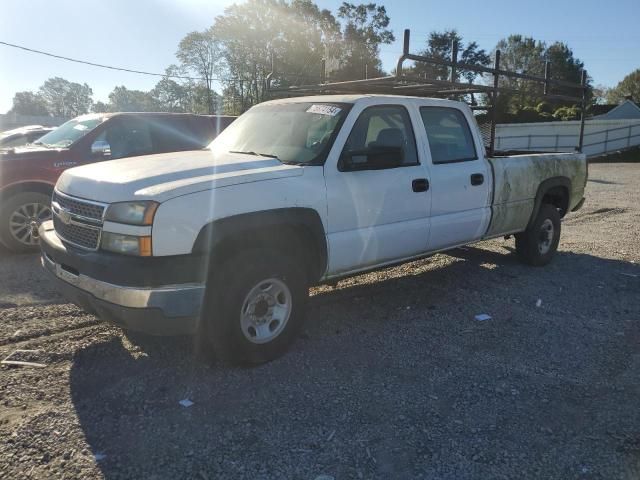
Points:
[[167, 175]]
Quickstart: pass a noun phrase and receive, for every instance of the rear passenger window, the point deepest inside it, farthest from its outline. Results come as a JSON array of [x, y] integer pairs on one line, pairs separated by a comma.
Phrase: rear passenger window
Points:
[[450, 138]]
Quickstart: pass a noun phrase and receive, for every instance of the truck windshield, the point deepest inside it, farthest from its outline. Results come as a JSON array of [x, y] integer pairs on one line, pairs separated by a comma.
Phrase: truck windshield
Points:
[[295, 133], [71, 131]]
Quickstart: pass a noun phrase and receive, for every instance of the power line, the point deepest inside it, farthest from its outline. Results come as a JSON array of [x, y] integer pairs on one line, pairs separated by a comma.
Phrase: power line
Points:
[[84, 62], [141, 72]]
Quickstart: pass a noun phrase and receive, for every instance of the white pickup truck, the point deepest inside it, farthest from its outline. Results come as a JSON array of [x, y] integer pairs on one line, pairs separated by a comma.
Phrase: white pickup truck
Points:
[[225, 242]]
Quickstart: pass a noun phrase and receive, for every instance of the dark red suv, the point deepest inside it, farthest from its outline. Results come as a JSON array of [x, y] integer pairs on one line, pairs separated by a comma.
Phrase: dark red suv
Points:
[[28, 174]]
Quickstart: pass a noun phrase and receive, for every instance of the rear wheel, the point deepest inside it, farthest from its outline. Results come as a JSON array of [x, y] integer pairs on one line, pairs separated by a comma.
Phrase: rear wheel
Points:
[[538, 244], [254, 306], [20, 219]]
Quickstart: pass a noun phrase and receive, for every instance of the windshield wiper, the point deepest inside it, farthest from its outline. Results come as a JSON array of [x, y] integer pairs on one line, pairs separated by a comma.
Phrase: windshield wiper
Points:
[[268, 155], [37, 142]]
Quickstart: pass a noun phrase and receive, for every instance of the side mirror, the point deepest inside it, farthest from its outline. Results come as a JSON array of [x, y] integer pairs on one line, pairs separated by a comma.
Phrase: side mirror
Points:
[[372, 158], [100, 148]]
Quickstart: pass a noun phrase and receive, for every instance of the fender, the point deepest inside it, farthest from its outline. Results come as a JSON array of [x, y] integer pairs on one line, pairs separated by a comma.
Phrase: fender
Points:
[[40, 186], [248, 226], [545, 187]]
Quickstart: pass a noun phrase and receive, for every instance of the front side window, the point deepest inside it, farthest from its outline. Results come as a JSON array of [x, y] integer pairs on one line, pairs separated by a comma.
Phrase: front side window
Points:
[[126, 137], [449, 136], [295, 133], [382, 137]]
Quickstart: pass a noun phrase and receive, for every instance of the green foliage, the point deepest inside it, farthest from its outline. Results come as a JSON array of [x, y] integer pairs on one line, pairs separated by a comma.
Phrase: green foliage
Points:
[[64, 98], [199, 54], [100, 107], [122, 99], [440, 45], [544, 107], [567, 113], [527, 55], [29, 103], [294, 34], [629, 86], [364, 29], [57, 97]]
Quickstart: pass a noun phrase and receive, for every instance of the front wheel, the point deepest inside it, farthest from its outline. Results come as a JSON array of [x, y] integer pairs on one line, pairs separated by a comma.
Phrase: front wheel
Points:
[[254, 306], [20, 218], [538, 244]]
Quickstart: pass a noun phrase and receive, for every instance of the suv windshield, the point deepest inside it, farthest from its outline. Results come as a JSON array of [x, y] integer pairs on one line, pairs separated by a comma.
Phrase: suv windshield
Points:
[[297, 133], [69, 132]]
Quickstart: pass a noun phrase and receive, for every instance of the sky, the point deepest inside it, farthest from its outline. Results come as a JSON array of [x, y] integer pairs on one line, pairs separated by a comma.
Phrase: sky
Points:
[[144, 34]]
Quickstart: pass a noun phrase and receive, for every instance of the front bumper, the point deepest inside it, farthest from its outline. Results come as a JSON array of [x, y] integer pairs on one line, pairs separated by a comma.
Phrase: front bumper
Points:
[[169, 309]]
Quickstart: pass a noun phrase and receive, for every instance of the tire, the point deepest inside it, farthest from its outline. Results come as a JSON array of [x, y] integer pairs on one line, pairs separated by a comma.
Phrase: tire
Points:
[[29, 209], [538, 244], [245, 319]]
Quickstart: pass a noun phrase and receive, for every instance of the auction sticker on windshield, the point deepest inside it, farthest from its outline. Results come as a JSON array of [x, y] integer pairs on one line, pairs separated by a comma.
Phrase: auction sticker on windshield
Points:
[[324, 110]]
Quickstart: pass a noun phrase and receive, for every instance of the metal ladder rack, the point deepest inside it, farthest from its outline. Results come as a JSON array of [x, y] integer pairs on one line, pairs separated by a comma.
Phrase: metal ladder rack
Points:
[[413, 85]]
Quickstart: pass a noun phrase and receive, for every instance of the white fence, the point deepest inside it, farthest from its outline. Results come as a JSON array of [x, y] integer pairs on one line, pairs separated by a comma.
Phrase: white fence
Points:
[[600, 136]]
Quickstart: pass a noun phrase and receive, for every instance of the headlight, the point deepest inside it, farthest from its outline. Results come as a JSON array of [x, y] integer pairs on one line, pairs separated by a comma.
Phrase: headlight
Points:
[[132, 213], [126, 244]]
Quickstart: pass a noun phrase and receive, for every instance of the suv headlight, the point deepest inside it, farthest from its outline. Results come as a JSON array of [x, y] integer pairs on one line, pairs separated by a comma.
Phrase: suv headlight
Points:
[[132, 213]]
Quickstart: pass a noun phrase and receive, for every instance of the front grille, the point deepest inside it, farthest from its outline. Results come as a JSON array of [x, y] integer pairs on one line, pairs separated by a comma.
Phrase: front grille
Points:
[[79, 207], [80, 235]]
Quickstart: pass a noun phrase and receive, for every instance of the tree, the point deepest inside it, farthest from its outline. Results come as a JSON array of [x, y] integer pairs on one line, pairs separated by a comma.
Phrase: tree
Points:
[[66, 99], [29, 103], [364, 29], [629, 86], [170, 96], [521, 55], [599, 94], [251, 34], [526, 55], [199, 53], [100, 107], [440, 45], [564, 66], [122, 99]]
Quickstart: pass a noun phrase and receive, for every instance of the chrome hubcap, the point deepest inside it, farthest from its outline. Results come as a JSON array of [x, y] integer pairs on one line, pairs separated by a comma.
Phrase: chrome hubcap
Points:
[[266, 310], [25, 220], [546, 237]]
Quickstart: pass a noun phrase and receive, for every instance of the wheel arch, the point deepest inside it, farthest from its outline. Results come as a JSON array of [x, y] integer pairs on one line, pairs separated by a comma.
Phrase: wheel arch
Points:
[[296, 229], [29, 186], [557, 192]]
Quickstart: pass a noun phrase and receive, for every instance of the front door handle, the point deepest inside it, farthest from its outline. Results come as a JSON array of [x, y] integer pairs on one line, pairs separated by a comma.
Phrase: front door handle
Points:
[[420, 185], [477, 179]]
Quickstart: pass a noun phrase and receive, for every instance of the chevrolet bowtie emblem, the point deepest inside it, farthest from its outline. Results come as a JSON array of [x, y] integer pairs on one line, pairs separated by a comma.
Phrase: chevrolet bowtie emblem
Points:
[[64, 216]]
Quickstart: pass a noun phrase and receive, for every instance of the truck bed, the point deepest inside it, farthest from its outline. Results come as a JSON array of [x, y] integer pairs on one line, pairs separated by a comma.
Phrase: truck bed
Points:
[[516, 181]]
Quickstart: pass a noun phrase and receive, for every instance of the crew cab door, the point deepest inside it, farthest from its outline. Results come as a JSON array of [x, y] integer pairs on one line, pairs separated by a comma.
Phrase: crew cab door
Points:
[[461, 179], [378, 195]]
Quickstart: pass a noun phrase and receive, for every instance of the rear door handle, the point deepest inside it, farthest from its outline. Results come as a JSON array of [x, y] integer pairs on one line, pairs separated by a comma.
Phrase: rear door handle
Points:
[[420, 185], [477, 179]]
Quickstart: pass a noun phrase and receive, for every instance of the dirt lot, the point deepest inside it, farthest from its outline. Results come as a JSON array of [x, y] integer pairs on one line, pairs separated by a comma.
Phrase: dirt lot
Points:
[[392, 377]]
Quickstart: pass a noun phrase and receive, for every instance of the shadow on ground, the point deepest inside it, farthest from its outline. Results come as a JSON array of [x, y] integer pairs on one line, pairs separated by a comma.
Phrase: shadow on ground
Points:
[[394, 379]]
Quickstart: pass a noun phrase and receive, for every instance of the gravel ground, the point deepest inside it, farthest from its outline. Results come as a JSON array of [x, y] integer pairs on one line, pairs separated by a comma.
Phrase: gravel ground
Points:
[[392, 377]]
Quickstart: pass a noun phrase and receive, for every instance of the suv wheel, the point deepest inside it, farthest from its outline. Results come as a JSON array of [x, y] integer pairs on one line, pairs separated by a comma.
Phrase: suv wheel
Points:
[[20, 218], [538, 244], [254, 306]]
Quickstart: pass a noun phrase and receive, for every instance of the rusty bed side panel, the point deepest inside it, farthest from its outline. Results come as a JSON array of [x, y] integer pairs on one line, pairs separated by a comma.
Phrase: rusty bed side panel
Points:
[[516, 181]]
